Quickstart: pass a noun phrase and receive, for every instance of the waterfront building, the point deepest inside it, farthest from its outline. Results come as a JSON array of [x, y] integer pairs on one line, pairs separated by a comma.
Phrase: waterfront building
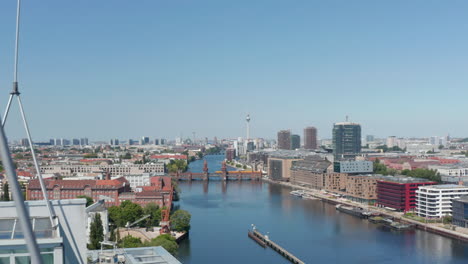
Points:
[[361, 188], [460, 211], [399, 192], [279, 167], [295, 142], [354, 166], [310, 138], [346, 140], [310, 172], [64, 244], [284, 139], [435, 201]]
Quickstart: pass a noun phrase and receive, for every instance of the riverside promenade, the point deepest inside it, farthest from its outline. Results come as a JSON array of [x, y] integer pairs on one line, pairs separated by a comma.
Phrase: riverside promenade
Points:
[[437, 228]]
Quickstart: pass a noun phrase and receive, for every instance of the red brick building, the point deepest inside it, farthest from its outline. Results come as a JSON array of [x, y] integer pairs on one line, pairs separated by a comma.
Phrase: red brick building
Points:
[[399, 193], [118, 190]]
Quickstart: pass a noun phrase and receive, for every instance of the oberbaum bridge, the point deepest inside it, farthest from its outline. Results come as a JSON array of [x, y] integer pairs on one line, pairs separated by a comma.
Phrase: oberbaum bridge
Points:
[[223, 175]]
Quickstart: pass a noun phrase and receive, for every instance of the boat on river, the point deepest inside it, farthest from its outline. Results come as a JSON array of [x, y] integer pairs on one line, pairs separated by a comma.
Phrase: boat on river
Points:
[[298, 193], [352, 210]]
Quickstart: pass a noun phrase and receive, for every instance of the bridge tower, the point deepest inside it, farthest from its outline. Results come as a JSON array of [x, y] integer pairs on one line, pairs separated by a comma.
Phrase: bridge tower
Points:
[[223, 171], [205, 171]]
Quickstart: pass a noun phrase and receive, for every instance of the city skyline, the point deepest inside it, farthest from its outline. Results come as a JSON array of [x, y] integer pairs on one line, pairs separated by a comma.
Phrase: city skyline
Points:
[[402, 77]]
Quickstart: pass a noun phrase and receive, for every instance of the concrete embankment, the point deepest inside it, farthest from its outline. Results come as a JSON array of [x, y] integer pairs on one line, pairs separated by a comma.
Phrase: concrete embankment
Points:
[[395, 215]]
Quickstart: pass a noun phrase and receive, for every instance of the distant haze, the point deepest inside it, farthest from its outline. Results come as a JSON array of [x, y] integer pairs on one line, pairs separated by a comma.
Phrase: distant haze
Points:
[[118, 69]]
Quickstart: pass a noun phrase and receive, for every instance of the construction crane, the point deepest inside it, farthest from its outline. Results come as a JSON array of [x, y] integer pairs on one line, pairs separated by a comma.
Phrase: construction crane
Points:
[[128, 225], [165, 224]]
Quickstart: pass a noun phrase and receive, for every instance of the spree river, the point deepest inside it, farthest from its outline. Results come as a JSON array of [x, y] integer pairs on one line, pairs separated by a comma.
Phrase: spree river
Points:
[[313, 230]]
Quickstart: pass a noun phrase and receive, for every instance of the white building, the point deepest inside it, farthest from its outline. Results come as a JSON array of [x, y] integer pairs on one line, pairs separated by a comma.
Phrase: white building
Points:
[[452, 173], [114, 170], [91, 211], [391, 141], [138, 180], [435, 201], [64, 244]]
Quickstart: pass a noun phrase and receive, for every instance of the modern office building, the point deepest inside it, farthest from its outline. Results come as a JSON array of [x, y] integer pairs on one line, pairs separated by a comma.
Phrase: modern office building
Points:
[[284, 139], [399, 192], [84, 142], [310, 138], [435, 201], [279, 167], [75, 142], [346, 140], [295, 142], [353, 166], [361, 188], [460, 211]]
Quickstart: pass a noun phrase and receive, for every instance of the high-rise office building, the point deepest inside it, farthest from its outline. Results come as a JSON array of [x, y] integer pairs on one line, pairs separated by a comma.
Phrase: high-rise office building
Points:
[[84, 141], [346, 140], [156, 141], [24, 142], [144, 140], [295, 141], [310, 138], [75, 142], [284, 139]]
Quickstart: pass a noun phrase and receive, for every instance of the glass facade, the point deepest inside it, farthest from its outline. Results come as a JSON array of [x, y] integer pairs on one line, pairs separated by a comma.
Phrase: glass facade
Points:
[[346, 140]]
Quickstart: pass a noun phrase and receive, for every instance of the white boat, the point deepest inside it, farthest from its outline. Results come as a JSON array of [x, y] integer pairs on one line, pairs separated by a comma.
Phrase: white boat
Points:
[[309, 197], [298, 193]]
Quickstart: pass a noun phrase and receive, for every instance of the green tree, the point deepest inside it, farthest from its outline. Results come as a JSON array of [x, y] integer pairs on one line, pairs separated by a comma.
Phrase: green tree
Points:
[[96, 233], [19, 156], [380, 168], [6, 192], [129, 212], [180, 221], [166, 241], [154, 211], [176, 165], [89, 200], [175, 185], [130, 242], [90, 156], [200, 154]]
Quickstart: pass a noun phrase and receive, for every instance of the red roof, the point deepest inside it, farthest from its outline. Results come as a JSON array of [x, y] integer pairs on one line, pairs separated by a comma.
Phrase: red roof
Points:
[[169, 156], [24, 173], [161, 183]]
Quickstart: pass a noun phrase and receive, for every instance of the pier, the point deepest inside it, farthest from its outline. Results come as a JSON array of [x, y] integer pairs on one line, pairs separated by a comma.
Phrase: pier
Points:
[[265, 240]]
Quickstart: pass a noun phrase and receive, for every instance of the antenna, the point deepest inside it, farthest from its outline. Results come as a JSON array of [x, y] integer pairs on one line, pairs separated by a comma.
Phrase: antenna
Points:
[[5, 154]]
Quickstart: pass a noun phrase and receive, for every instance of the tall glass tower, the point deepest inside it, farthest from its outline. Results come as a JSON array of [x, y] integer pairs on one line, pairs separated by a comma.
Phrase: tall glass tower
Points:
[[346, 140]]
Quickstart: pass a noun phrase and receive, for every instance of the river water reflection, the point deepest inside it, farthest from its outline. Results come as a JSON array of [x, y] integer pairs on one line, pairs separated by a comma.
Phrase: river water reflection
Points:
[[314, 231]]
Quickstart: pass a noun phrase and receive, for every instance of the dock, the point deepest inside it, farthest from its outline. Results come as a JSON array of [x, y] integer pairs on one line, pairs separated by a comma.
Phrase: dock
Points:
[[283, 252]]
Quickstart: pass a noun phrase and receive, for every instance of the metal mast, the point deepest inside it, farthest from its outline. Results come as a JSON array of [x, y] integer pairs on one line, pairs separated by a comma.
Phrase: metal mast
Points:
[[10, 170]]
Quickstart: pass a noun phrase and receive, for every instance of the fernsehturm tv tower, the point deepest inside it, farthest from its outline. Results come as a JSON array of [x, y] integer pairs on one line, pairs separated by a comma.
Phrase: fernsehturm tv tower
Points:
[[248, 127]]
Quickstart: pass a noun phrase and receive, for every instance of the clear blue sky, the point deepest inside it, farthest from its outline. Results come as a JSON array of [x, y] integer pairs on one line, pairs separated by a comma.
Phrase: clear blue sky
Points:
[[119, 68]]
